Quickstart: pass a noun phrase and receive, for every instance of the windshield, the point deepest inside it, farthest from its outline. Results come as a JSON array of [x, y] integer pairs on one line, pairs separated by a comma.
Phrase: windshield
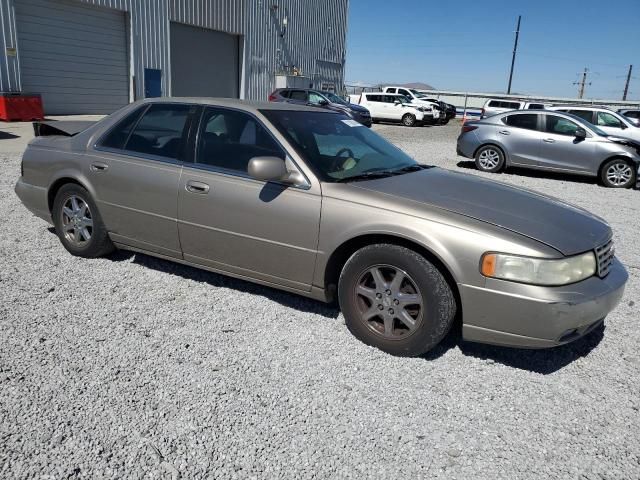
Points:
[[333, 98], [417, 93], [336, 147]]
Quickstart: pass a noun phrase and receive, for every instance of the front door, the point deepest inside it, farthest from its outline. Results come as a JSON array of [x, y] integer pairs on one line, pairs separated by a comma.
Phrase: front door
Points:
[[233, 223], [562, 150], [135, 171]]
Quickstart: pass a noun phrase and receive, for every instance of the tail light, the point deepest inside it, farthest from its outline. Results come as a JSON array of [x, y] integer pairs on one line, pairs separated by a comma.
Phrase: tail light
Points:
[[482, 112], [272, 97], [468, 128]]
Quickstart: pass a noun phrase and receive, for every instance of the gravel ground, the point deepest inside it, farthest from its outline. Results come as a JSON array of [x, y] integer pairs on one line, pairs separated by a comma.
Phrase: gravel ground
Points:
[[134, 367]]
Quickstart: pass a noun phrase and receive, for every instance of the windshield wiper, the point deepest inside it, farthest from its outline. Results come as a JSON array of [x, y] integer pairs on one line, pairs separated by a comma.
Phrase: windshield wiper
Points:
[[412, 168], [366, 176]]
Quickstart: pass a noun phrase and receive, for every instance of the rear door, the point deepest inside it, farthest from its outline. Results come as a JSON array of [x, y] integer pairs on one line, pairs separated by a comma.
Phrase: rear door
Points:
[[561, 150], [234, 223], [521, 137], [135, 172], [375, 104]]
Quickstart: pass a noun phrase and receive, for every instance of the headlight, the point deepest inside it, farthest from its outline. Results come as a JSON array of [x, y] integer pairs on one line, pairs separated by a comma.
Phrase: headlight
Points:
[[538, 271]]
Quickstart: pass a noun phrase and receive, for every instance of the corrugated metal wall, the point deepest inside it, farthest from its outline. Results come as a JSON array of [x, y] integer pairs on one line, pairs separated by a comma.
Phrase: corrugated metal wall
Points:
[[313, 40]]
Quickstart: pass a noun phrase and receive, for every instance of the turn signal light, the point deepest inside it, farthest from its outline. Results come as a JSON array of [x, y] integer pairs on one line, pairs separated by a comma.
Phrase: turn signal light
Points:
[[488, 268]]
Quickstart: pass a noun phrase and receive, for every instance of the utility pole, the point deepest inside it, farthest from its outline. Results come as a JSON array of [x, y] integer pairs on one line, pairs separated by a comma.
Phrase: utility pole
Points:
[[513, 59], [582, 83], [626, 85]]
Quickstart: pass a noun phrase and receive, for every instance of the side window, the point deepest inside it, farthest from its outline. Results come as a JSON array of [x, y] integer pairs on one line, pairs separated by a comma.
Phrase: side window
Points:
[[560, 125], [299, 95], [605, 119], [391, 90], [285, 93], [315, 97], [402, 91], [584, 114], [535, 106], [374, 98], [528, 121], [494, 104], [228, 139], [160, 131], [120, 133]]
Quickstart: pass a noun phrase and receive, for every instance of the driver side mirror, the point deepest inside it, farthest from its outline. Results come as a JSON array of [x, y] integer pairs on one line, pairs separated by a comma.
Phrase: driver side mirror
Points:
[[323, 102], [274, 169], [581, 133]]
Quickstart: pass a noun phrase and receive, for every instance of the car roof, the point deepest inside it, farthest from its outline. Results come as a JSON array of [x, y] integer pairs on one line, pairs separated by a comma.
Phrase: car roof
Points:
[[248, 105], [584, 107]]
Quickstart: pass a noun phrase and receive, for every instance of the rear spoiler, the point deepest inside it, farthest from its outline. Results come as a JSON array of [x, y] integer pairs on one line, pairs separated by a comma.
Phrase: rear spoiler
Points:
[[62, 128]]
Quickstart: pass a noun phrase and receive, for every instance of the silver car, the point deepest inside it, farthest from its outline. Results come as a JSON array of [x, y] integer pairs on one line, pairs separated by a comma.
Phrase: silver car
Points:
[[550, 140], [310, 201]]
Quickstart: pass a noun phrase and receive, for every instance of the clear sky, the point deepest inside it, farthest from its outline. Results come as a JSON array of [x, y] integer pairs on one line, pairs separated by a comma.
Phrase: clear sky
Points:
[[467, 44]]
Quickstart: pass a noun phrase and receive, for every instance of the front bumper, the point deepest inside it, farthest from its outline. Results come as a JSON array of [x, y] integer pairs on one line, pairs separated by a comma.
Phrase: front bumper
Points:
[[518, 315]]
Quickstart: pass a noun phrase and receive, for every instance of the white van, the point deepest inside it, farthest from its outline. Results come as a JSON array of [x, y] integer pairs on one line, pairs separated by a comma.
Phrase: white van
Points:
[[394, 107]]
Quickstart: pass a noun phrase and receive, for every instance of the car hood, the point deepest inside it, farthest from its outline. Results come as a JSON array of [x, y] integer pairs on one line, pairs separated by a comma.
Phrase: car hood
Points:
[[352, 107], [566, 228]]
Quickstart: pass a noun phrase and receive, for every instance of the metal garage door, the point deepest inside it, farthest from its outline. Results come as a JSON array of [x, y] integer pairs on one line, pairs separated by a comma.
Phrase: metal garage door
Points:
[[74, 55], [204, 63]]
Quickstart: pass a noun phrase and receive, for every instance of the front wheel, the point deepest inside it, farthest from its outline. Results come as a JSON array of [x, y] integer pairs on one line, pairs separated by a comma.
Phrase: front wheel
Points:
[[489, 159], [78, 223], [617, 173], [408, 120], [395, 299]]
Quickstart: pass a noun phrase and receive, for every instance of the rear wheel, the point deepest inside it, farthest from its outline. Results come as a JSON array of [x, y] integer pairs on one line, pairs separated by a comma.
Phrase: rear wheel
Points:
[[408, 120], [395, 299], [489, 159], [617, 173], [78, 223]]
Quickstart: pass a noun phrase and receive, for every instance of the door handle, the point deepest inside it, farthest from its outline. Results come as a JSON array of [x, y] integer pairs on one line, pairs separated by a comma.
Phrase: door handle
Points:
[[549, 140], [99, 167], [197, 187], [504, 132]]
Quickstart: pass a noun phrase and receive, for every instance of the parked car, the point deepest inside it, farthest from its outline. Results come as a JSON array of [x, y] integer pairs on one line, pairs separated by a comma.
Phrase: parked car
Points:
[[328, 100], [419, 99], [394, 107], [549, 140], [450, 110], [496, 106], [309, 201], [604, 118], [633, 114]]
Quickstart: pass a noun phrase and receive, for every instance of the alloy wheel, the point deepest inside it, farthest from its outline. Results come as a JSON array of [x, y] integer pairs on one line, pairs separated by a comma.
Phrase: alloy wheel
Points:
[[619, 174], [77, 222], [489, 158], [389, 301]]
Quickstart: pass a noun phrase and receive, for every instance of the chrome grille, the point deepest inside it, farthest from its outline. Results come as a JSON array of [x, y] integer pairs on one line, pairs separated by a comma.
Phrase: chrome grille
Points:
[[604, 257]]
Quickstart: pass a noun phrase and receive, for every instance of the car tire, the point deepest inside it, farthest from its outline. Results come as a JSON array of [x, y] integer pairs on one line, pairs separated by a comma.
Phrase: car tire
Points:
[[408, 120], [405, 319], [489, 159], [617, 173], [446, 121], [78, 223]]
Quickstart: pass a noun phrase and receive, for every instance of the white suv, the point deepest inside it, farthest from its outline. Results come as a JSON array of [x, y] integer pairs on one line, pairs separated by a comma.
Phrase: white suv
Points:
[[495, 106], [604, 118], [417, 98], [390, 106]]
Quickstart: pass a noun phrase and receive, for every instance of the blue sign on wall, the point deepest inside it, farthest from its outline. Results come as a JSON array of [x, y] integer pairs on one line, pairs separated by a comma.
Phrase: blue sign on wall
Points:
[[152, 83]]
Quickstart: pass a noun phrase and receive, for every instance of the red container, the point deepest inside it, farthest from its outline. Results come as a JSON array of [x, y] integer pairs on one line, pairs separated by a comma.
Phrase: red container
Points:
[[20, 107]]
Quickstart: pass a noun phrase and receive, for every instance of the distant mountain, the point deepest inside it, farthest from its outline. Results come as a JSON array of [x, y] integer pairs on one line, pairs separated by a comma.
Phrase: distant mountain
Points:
[[418, 86]]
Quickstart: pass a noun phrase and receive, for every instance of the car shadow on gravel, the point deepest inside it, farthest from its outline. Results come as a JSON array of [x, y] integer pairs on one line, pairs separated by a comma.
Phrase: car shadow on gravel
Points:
[[290, 300], [544, 361], [524, 172]]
